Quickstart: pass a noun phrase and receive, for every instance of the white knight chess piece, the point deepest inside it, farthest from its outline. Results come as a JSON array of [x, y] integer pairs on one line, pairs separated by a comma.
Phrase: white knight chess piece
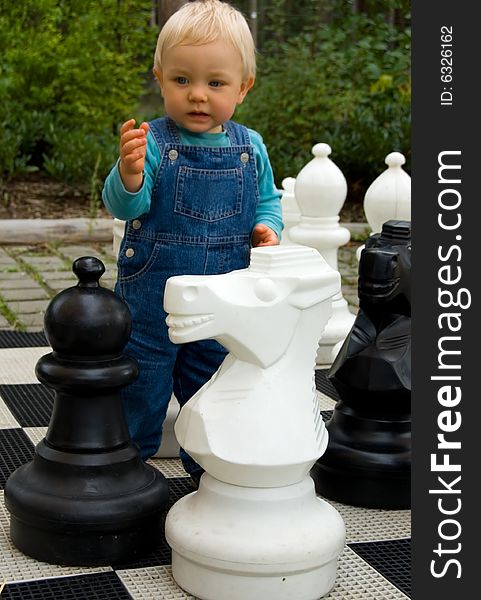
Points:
[[255, 528]]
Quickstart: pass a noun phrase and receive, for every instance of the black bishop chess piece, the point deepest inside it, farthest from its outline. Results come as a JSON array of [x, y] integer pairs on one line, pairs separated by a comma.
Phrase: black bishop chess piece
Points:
[[86, 498], [368, 459]]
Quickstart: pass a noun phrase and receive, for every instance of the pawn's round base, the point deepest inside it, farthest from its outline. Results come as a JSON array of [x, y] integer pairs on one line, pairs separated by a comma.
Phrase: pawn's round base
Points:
[[368, 489], [237, 542], [86, 509], [83, 547]]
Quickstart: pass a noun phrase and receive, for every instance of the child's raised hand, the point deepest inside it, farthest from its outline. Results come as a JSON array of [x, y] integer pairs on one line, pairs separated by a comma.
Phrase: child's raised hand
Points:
[[264, 236], [133, 147]]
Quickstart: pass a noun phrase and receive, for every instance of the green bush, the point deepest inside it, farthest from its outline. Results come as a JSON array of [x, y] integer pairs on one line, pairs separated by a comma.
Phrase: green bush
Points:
[[347, 84], [70, 73]]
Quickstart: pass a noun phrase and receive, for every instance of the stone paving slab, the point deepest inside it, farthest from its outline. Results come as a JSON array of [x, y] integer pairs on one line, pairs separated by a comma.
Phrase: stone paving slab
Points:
[[74, 252], [17, 283], [30, 276], [6, 262], [27, 306], [45, 263], [12, 275], [4, 256], [61, 284], [23, 294], [56, 275], [33, 322]]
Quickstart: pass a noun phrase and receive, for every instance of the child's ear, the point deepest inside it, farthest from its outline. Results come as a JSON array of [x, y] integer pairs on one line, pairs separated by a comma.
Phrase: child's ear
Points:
[[158, 75], [244, 88]]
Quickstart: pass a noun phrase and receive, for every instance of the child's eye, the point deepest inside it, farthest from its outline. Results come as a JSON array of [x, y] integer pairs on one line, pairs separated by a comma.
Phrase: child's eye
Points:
[[182, 80], [215, 83]]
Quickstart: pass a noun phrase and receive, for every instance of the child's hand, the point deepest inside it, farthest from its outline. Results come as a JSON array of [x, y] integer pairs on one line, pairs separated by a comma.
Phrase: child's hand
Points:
[[133, 147], [263, 236]]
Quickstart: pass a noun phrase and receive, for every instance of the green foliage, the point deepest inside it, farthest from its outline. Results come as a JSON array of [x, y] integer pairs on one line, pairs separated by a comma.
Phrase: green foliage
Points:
[[346, 83], [70, 73]]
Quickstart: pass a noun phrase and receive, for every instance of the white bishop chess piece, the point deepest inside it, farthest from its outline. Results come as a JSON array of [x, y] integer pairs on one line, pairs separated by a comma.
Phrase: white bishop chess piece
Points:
[[291, 214], [388, 197], [320, 191], [255, 528]]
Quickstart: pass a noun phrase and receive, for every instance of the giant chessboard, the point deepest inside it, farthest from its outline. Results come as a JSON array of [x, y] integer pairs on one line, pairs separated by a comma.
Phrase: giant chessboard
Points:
[[375, 563]]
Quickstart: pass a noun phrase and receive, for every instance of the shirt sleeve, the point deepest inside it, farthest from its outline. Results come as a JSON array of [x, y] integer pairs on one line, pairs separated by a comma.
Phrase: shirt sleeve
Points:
[[126, 205], [269, 210]]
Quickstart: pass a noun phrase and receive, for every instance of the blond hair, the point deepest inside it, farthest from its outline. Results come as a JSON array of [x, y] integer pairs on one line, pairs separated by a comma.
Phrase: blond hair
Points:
[[205, 21]]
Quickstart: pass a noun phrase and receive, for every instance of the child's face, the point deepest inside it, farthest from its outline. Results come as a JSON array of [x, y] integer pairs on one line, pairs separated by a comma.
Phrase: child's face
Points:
[[202, 85]]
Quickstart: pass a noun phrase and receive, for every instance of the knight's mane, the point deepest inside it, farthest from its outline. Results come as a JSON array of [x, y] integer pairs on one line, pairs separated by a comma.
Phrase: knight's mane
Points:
[[288, 261]]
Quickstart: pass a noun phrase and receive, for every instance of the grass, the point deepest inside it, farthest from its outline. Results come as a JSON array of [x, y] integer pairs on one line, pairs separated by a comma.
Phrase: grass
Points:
[[29, 269], [10, 316]]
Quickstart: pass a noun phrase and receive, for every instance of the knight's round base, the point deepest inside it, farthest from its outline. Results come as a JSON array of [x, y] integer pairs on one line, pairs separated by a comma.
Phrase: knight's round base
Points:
[[209, 584], [384, 490], [232, 543]]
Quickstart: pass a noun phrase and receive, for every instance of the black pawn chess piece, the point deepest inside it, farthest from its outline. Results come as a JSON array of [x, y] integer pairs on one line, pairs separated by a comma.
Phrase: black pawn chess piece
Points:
[[368, 459], [86, 498]]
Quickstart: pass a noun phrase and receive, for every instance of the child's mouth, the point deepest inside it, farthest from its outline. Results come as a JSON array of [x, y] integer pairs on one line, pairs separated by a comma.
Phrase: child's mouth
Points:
[[198, 115]]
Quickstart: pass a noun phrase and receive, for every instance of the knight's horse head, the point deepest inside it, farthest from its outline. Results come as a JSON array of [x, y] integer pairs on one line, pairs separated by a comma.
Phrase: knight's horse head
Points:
[[253, 312], [385, 270]]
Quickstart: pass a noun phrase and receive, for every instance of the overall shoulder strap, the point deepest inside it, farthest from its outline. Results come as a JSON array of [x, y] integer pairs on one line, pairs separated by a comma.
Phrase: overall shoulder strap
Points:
[[238, 134], [164, 131]]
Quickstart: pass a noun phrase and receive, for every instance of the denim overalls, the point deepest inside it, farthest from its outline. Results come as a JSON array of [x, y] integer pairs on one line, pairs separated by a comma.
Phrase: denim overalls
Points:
[[200, 221]]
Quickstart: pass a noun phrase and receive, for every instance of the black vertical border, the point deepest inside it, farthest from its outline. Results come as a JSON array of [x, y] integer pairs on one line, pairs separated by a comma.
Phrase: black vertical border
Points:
[[438, 128]]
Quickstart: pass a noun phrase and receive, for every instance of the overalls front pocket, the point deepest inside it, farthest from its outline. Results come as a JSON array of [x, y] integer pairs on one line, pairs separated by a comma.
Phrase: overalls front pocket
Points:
[[136, 257], [208, 195]]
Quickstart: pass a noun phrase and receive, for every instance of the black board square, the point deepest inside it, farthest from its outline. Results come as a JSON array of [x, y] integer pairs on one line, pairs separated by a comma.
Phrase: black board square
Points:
[[22, 339], [30, 403], [391, 558], [15, 450], [95, 586], [162, 555], [326, 415], [178, 488], [324, 385]]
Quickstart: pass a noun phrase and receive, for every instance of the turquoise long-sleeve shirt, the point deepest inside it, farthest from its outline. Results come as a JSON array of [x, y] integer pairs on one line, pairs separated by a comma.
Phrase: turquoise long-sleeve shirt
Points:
[[126, 205]]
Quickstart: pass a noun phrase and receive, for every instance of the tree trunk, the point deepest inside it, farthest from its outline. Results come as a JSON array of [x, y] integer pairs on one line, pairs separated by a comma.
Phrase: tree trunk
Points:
[[164, 9], [253, 20]]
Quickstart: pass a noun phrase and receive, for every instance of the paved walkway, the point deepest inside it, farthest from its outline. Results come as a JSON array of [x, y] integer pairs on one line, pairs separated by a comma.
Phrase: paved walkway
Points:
[[30, 276]]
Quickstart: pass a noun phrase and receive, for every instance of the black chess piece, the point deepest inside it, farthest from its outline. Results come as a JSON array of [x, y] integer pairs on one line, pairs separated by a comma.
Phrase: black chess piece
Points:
[[86, 498], [368, 458]]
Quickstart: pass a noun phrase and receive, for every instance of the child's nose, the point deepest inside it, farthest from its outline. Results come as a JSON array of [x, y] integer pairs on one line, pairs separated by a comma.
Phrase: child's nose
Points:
[[198, 94]]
